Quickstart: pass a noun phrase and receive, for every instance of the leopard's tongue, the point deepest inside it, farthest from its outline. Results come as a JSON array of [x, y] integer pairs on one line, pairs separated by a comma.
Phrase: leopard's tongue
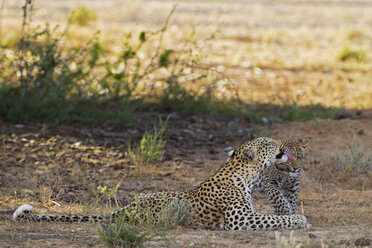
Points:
[[289, 156]]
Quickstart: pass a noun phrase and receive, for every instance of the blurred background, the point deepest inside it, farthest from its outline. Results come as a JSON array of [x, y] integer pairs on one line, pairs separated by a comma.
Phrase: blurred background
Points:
[[249, 59]]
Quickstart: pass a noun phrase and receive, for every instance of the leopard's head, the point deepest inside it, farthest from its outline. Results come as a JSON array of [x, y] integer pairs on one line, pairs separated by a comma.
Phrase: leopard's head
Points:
[[288, 158], [259, 152]]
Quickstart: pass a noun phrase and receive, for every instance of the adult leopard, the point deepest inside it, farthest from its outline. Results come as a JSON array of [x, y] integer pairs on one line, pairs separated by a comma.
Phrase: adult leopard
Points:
[[221, 201]]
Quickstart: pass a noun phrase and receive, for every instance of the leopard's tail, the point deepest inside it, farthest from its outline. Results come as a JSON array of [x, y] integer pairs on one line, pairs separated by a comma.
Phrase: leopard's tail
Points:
[[24, 213]]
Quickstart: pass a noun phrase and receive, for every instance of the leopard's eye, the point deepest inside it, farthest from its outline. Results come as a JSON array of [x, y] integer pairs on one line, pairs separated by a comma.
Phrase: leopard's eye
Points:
[[280, 155]]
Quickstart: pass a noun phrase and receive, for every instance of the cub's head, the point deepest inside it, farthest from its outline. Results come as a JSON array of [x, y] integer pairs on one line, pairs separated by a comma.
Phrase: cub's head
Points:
[[294, 149], [259, 152]]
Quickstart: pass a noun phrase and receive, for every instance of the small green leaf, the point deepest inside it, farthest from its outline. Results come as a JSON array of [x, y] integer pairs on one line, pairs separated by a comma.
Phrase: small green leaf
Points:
[[142, 36], [164, 58], [128, 53]]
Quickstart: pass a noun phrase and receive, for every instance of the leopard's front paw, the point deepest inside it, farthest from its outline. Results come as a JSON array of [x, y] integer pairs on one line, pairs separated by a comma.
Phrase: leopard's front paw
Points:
[[301, 221]]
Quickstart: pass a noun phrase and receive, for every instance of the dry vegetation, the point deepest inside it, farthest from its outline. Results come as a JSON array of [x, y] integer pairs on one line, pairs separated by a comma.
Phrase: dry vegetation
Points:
[[281, 53]]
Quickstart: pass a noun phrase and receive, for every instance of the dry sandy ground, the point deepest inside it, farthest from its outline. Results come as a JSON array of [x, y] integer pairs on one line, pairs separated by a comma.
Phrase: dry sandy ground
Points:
[[57, 169]]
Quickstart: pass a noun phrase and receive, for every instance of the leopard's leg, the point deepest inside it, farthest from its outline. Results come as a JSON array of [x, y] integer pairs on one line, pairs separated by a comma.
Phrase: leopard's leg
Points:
[[280, 203], [248, 195], [238, 216], [291, 190]]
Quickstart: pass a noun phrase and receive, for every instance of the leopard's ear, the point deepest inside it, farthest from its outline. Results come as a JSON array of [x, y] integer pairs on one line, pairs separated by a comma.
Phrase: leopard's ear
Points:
[[249, 154], [231, 153], [304, 142]]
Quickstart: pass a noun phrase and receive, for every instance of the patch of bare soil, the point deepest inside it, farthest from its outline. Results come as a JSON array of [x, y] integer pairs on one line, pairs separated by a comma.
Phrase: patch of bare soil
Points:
[[57, 169]]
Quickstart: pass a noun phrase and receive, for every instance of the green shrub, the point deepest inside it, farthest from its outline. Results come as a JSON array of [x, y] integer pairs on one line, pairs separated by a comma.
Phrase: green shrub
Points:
[[151, 147], [120, 233], [81, 15], [349, 54], [174, 212], [42, 80], [41, 84]]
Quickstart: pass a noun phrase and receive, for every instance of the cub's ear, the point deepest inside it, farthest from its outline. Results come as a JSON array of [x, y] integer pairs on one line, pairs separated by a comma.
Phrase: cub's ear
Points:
[[249, 154], [304, 142]]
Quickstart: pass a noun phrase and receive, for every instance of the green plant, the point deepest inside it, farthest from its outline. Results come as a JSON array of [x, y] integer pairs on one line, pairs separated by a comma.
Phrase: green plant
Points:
[[120, 233], [174, 213], [110, 193], [127, 76], [152, 146], [43, 80], [348, 54], [82, 15], [133, 74]]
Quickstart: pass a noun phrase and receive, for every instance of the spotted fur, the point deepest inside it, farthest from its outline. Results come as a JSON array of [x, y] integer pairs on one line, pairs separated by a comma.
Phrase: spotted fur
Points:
[[281, 183], [221, 201]]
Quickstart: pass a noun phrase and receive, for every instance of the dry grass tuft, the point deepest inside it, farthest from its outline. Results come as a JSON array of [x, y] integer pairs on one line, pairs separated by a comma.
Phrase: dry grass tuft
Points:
[[350, 54], [82, 15], [353, 167]]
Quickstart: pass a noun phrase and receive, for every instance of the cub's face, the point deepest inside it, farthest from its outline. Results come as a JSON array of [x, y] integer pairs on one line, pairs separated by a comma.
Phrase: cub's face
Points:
[[294, 149]]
